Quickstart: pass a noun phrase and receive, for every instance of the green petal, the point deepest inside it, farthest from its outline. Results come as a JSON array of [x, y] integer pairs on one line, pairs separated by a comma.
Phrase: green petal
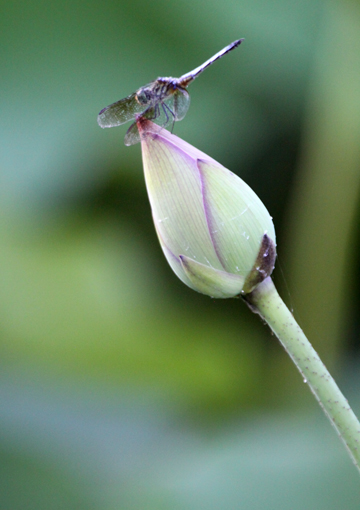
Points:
[[210, 281], [236, 216], [174, 186], [174, 262]]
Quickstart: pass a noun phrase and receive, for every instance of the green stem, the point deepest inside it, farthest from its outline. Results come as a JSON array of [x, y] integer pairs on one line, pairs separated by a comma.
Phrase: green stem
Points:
[[266, 301]]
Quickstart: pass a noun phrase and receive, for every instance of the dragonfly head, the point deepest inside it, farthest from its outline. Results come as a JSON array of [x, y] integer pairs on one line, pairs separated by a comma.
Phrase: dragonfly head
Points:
[[144, 95]]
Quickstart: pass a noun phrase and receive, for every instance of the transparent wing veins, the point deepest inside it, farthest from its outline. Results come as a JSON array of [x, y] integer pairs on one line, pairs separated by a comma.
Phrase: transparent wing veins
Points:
[[120, 112]]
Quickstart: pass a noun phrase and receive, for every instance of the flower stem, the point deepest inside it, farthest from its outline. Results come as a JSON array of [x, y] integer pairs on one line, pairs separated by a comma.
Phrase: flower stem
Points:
[[266, 301]]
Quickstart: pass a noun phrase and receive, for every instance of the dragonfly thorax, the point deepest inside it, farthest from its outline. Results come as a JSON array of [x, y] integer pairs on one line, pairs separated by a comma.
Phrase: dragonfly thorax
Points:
[[156, 91], [144, 95]]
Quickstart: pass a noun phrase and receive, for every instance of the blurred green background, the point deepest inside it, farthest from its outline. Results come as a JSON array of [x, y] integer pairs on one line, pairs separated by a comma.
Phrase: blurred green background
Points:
[[120, 388]]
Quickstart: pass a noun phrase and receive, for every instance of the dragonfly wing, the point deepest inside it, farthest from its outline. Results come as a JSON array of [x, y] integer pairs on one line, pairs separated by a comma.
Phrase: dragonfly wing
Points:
[[132, 134], [181, 103], [120, 112]]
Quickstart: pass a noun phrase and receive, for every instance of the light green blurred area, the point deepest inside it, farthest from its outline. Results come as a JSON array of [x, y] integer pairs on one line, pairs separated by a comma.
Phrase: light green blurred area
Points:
[[120, 387]]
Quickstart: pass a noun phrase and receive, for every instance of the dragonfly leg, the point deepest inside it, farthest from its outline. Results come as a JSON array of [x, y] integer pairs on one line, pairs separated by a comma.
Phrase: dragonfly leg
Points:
[[156, 112], [165, 106], [151, 113]]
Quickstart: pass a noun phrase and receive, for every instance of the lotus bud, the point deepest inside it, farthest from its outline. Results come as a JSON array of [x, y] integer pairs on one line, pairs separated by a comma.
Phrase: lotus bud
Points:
[[215, 232]]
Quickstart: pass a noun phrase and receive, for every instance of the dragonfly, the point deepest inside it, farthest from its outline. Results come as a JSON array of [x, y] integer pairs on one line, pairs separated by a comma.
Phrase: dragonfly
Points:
[[164, 101]]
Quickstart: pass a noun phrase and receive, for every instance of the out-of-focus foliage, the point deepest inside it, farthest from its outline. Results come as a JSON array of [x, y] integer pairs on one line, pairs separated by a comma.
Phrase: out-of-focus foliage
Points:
[[120, 387]]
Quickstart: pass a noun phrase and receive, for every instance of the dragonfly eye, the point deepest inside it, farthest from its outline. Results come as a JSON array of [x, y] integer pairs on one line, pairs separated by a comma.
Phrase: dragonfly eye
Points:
[[143, 96]]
